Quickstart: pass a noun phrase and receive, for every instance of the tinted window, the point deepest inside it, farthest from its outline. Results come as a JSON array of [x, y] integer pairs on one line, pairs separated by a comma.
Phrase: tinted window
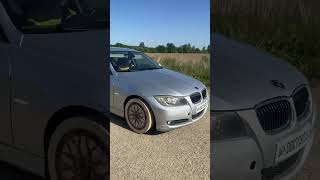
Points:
[[36, 16]]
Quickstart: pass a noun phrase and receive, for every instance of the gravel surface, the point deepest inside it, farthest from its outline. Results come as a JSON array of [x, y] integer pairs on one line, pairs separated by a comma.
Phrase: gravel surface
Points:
[[179, 154]]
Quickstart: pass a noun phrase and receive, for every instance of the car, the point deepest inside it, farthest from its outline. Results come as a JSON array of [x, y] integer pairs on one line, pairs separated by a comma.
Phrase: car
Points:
[[53, 94], [262, 114], [148, 95]]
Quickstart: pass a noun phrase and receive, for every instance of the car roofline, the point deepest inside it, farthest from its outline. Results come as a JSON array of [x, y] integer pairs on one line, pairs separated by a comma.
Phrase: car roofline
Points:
[[120, 49]]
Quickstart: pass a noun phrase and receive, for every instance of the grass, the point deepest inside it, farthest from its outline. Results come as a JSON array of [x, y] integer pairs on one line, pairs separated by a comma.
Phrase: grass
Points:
[[195, 65], [286, 28], [181, 57]]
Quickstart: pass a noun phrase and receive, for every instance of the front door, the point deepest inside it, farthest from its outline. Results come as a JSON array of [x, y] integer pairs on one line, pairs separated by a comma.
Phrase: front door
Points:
[[5, 70]]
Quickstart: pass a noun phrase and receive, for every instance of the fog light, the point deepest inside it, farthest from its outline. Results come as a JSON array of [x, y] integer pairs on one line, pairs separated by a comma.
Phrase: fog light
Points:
[[227, 125], [175, 122]]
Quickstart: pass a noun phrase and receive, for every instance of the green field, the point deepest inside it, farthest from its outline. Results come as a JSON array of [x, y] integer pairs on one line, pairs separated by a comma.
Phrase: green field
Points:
[[195, 65], [286, 28]]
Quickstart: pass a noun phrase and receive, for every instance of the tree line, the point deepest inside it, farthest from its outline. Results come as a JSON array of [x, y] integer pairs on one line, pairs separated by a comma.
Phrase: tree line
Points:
[[168, 48]]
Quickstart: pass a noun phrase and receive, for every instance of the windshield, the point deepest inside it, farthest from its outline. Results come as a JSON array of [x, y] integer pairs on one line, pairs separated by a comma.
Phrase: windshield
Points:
[[36, 16], [132, 61]]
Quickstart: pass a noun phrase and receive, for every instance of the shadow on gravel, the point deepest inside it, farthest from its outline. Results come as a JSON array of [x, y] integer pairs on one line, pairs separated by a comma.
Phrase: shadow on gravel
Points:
[[10, 172], [122, 123]]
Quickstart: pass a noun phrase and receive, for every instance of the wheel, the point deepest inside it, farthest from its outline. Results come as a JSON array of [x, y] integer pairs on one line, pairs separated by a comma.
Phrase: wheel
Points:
[[138, 116], [79, 150]]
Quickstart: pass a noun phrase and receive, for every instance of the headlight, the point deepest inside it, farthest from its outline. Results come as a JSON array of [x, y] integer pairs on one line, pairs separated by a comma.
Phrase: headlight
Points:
[[171, 100], [227, 125]]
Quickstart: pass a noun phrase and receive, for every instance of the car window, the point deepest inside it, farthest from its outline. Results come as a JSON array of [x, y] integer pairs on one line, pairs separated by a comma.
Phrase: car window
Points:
[[139, 59], [36, 16], [132, 61]]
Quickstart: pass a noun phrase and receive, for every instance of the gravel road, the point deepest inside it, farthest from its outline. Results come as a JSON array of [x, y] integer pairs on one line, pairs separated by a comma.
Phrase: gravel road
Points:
[[179, 154]]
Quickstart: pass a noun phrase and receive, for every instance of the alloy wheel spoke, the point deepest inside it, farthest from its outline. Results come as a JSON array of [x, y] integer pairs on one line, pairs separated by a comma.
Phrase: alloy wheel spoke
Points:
[[81, 159]]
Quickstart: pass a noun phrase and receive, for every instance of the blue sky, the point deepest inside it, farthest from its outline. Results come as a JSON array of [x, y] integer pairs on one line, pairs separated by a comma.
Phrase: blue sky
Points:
[[157, 22]]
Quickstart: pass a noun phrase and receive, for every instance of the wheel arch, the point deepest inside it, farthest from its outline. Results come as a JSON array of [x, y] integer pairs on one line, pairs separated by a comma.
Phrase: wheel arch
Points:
[[131, 97], [71, 111]]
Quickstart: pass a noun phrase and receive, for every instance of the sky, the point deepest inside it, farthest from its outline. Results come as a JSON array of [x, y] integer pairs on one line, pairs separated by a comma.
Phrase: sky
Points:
[[158, 22]]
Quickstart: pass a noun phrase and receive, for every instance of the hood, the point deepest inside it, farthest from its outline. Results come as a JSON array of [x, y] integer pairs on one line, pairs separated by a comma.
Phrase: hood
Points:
[[242, 75], [160, 82]]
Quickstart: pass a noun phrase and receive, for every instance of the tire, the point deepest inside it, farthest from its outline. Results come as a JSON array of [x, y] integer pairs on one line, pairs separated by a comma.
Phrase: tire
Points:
[[79, 148], [138, 115]]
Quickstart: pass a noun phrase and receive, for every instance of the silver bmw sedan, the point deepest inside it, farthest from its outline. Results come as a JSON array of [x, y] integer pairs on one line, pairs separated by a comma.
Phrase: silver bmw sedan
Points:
[[148, 95]]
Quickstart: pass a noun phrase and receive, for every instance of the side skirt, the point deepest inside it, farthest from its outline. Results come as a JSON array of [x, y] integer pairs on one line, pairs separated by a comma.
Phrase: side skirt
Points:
[[117, 112], [23, 160]]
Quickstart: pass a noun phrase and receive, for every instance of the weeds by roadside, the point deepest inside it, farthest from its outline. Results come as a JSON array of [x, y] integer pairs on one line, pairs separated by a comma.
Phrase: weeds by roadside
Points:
[[198, 69], [286, 28]]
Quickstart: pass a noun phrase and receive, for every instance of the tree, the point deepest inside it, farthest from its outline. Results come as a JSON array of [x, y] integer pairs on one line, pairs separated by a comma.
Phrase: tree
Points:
[[119, 45], [142, 45], [208, 48], [204, 50], [179, 49], [193, 50], [161, 49], [152, 50], [186, 48], [189, 48], [171, 48]]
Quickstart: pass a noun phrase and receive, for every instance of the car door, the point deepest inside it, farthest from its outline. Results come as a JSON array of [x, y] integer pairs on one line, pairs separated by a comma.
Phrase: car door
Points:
[[54, 68], [116, 95], [111, 86], [5, 71]]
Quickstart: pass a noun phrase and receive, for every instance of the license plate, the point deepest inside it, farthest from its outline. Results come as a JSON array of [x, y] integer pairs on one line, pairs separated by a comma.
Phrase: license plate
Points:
[[201, 107], [292, 145]]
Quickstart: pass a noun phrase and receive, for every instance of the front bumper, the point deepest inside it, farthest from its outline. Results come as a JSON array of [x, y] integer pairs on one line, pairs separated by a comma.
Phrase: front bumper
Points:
[[169, 118], [250, 158]]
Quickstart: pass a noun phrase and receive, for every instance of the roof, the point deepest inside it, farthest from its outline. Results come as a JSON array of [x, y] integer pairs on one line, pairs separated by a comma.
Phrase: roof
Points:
[[122, 49]]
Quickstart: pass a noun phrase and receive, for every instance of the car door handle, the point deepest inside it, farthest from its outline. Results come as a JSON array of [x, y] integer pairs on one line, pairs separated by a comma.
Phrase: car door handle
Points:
[[20, 101]]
